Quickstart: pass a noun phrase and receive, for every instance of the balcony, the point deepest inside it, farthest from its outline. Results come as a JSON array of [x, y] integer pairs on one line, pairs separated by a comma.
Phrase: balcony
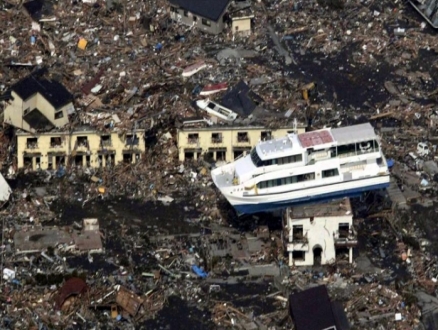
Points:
[[298, 243], [345, 238]]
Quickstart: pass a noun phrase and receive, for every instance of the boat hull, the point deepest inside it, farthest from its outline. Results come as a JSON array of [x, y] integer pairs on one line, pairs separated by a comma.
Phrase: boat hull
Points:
[[264, 203]]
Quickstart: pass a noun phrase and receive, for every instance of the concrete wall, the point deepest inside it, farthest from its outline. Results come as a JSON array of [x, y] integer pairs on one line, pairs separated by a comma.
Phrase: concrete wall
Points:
[[241, 25], [14, 112], [229, 142], [93, 155], [191, 19], [320, 232]]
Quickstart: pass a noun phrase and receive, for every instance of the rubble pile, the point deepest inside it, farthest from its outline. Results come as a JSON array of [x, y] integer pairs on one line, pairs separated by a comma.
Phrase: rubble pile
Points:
[[113, 245]]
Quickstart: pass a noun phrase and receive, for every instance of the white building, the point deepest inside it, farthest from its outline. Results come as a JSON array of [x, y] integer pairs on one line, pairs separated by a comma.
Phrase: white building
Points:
[[319, 233]]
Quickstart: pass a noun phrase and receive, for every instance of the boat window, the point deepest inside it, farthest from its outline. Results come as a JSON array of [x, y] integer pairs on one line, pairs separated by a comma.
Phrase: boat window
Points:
[[290, 159], [330, 173], [255, 158], [287, 180]]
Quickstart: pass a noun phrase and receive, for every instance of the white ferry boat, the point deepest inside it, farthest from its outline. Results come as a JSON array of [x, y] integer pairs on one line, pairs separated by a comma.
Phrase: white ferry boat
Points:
[[308, 167]]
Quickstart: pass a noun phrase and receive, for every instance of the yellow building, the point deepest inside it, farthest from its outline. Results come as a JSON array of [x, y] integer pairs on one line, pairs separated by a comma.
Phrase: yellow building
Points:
[[225, 143], [86, 148], [37, 103]]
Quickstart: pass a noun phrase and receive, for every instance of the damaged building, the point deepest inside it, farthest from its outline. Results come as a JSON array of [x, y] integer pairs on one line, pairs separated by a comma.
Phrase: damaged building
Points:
[[224, 143], [38, 103], [319, 234], [84, 147]]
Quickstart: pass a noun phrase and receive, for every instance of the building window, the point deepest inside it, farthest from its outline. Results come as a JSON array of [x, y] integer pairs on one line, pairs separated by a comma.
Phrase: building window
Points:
[[236, 28], [299, 255], [105, 140], [193, 138], [59, 114], [216, 138], [132, 139], [343, 230], [55, 142], [186, 13], [173, 10], [127, 158], [82, 141], [242, 137], [195, 18], [221, 155], [26, 111], [32, 143], [330, 173], [266, 135], [206, 22], [297, 233]]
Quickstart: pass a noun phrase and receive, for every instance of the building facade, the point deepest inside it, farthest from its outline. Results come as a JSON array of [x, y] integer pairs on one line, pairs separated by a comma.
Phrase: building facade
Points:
[[319, 234], [85, 148], [207, 16], [225, 143]]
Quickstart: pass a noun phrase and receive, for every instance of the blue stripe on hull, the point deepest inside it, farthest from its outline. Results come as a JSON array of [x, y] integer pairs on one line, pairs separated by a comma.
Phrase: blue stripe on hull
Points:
[[264, 207]]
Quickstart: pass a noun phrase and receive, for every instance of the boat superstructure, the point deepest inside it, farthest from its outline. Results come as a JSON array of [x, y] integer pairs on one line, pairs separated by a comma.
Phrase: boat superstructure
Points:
[[299, 168]]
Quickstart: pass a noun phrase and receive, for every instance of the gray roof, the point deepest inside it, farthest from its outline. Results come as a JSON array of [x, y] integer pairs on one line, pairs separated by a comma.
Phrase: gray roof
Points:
[[355, 133]]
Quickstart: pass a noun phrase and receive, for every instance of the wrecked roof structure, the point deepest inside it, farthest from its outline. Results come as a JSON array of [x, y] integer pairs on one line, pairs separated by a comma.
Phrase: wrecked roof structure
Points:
[[312, 309], [205, 8], [52, 90]]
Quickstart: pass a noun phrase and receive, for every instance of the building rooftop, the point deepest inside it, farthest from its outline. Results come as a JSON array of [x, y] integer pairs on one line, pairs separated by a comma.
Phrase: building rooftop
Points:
[[312, 309], [316, 138], [352, 134], [205, 8], [51, 90], [281, 147], [241, 99], [338, 207]]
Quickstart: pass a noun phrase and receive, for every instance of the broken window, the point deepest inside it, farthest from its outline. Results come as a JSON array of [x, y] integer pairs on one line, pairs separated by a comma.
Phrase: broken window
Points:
[[237, 153], [110, 160], [87, 161], [186, 13], [193, 138], [132, 139], [60, 160], [59, 114], [82, 141], [127, 158], [195, 18], [265, 135], [189, 155], [38, 162], [342, 253], [343, 230], [297, 232], [216, 137], [221, 155], [79, 160], [55, 142], [26, 111], [299, 255], [27, 161], [242, 137], [50, 162], [32, 143], [173, 10], [105, 140], [206, 22], [100, 160]]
